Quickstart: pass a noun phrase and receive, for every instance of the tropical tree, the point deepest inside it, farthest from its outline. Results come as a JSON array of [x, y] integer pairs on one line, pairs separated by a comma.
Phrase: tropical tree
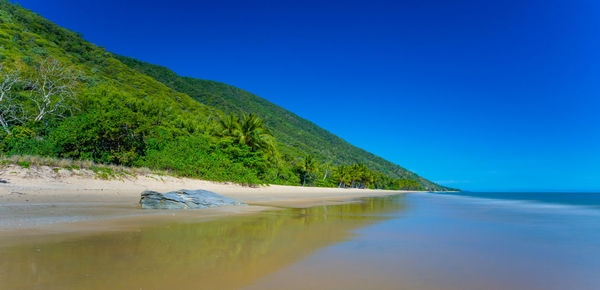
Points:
[[252, 132], [308, 168], [228, 126]]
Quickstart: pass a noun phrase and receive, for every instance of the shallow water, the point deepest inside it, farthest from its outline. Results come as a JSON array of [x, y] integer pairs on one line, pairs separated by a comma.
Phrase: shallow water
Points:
[[415, 241]]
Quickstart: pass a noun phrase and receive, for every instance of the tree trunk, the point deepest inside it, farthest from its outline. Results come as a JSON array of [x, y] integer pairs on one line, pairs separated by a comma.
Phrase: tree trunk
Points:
[[4, 125]]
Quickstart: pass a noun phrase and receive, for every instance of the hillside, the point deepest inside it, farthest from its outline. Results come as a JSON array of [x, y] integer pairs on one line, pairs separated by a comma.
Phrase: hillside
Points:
[[117, 110], [290, 129]]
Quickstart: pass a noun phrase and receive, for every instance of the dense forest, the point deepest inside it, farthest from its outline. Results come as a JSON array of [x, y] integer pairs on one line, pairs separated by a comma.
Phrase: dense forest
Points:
[[63, 97]]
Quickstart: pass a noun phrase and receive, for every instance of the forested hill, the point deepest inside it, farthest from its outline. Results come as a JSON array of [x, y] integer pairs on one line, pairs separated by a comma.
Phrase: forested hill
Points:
[[291, 130], [63, 97]]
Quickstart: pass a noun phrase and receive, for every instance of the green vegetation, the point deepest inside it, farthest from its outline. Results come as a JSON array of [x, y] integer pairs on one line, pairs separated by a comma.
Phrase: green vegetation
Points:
[[63, 97]]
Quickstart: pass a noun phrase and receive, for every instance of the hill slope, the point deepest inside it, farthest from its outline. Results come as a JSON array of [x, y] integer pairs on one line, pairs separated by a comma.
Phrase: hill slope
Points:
[[290, 129], [124, 111]]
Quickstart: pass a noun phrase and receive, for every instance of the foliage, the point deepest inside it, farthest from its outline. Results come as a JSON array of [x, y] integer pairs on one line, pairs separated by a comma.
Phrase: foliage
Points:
[[196, 157]]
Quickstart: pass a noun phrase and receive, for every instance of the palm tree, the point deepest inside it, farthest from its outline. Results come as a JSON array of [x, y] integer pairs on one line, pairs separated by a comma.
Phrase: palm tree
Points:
[[308, 167], [363, 175], [344, 175], [228, 126], [252, 132]]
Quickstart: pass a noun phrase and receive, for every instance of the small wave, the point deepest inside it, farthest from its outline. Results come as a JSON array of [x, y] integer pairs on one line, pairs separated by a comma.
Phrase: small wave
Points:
[[526, 204]]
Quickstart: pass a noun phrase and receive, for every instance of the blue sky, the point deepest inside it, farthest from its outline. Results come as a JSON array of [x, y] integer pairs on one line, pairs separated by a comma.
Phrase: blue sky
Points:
[[479, 95]]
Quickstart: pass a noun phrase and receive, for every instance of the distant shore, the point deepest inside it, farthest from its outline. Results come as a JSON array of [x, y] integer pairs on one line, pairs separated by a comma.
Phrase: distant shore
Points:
[[39, 200]]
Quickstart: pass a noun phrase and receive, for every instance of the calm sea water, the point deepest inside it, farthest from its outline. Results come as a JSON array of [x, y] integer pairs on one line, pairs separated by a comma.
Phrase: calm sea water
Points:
[[414, 241], [587, 199]]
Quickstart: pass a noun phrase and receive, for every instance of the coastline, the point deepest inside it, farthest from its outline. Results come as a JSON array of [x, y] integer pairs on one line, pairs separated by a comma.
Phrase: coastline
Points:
[[39, 201]]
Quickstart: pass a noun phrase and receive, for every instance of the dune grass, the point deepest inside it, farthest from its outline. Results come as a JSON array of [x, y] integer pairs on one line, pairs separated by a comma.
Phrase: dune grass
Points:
[[102, 171]]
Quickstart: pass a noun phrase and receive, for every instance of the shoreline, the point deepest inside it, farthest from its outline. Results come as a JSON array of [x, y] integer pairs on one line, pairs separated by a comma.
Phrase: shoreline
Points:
[[39, 202]]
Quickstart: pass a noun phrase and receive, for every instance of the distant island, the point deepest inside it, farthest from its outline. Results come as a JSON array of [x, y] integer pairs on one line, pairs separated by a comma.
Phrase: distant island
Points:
[[63, 98]]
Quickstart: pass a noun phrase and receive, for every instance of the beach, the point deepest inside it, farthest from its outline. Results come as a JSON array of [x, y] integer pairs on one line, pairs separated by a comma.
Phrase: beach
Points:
[[41, 201], [401, 241], [71, 230]]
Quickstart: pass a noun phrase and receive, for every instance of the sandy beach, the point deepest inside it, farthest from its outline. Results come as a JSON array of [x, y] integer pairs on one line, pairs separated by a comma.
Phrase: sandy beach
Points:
[[70, 230], [42, 200]]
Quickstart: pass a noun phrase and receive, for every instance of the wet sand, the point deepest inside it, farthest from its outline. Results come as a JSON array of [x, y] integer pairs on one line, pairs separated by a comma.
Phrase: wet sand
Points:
[[405, 241], [221, 253]]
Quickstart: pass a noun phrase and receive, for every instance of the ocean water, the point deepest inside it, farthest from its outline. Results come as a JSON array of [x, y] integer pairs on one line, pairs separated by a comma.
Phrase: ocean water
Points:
[[463, 241], [412, 241], [585, 199]]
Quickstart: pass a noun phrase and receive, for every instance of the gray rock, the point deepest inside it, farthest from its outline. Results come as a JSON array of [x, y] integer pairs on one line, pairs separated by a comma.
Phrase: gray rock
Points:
[[184, 199]]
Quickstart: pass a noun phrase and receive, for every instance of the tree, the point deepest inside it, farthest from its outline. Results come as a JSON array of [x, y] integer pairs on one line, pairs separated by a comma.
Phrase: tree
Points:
[[228, 126], [48, 88], [327, 165], [343, 175], [252, 132], [51, 87], [309, 166], [8, 108]]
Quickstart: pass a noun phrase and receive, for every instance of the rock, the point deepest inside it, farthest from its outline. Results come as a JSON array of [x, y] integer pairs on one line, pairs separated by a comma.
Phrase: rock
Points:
[[184, 199]]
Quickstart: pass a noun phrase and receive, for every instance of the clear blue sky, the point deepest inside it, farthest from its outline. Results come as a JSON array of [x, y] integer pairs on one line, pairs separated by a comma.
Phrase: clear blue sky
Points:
[[480, 95]]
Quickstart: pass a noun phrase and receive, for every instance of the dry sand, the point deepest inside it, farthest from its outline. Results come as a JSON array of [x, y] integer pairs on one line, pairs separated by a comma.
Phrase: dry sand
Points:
[[40, 200]]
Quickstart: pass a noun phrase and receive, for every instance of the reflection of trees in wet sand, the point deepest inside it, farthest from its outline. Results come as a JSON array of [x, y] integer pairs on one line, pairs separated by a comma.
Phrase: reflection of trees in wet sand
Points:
[[225, 253]]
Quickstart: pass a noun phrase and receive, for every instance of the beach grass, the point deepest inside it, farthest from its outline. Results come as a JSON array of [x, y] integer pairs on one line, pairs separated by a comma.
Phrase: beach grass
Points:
[[102, 171]]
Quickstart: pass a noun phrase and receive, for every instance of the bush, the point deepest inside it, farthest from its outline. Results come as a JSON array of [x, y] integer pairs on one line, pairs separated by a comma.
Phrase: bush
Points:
[[24, 141], [194, 156], [102, 136]]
